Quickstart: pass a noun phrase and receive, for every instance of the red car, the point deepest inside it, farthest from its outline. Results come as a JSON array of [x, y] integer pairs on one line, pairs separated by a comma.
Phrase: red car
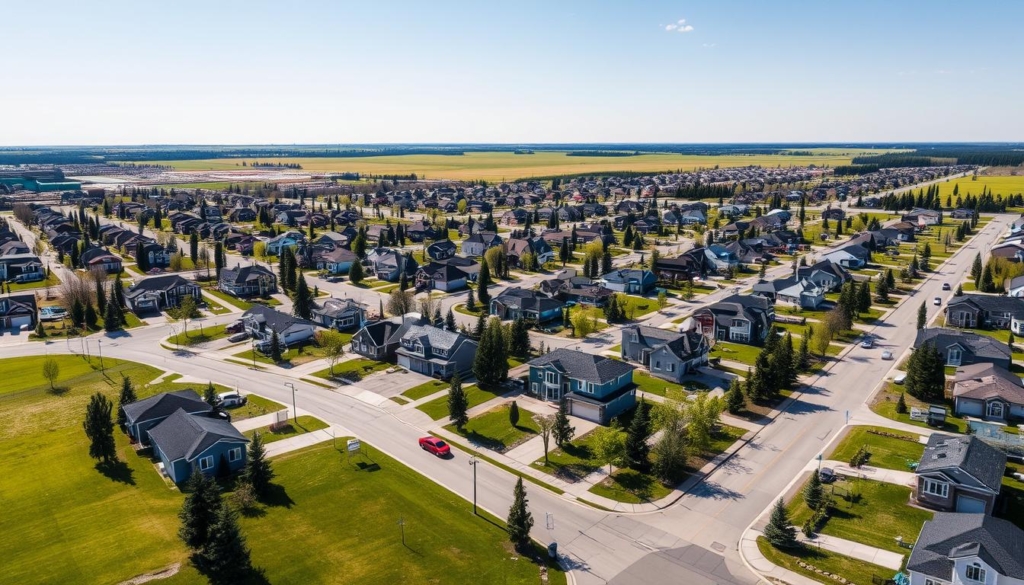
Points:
[[435, 446]]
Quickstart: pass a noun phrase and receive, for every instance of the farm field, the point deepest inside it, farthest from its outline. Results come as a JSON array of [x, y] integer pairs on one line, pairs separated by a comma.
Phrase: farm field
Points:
[[997, 184], [495, 166]]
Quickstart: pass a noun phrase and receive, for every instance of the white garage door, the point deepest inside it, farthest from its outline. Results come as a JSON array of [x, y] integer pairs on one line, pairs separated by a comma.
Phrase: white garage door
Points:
[[590, 412], [17, 322], [969, 505]]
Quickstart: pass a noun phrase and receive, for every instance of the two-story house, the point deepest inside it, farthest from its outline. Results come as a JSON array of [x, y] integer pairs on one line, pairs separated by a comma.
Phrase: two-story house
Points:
[[17, 311], [596, 388], [286, 240], [630, 281], [795, 291], [433, 351], [959, 473], [515, 303], [378, 340], [667, 354], [161, 292], [738, 318], [247, 281], [478, 244], [339, 314], [967, 549]]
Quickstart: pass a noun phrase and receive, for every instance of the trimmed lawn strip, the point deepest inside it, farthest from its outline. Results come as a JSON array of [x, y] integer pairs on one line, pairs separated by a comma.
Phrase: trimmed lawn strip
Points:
[[233, 301], [736, 352], [886, 452], [659, 387], [195, 337], [254, 406], [425, 389], [305, 424], [354, 370], [502, 466], [854, 570], [51, 280], [438, 407], [494, 430]]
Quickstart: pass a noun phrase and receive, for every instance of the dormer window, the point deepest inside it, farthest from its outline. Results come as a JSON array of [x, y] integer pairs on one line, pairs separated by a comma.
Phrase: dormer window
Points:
[[975, 573]]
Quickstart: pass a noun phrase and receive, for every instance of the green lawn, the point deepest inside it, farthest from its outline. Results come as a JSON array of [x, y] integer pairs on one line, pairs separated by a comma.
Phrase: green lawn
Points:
[[573, 462], [254, 406], [461, 308], [637, 307], [885, 405], [195, 336], [293, 356], [886, 452], [494, 430], [853, 570], [438, 407], [233, 301], [631, 487], [305, 424], [425, 389], [353, 369], [50, 280], [652, 385], [736, 352], [874, 514]]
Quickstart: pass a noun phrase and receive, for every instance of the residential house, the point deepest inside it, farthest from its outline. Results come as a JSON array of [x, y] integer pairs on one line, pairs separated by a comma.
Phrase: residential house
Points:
[[514, 217], [442, 277], [286, 240], [687, 266], [145, 414], [739, 318], [419, 231], [986, 311], [468, 265], [21, 268], [333, 260], [596, 388], [261, 322], [827, 274], [101, 258], [478, 244], [851, 257], [1009, 250], [378, 340], [720, 258], [17, 311], [433, 351], [988, 392], [339, 314], [541, 250], [630, 281], [389, 263], [794, 291], [964, 348], [665, 353], [187, 442], [959, 473], [1015, 287], [441, 250], [247, 281], [516, 302], [967, 549], [161, 292]]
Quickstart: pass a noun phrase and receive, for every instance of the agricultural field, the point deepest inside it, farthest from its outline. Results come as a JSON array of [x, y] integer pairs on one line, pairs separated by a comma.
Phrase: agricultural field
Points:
[[496, 166], [997, 184]]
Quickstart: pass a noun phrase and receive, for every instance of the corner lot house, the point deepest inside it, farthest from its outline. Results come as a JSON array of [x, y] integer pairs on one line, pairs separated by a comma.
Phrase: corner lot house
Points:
[[988, 392], [667, 354], [959, 474], [967, 549], [378, 340], [17, 311], [960, 347], [432, 351], [185, 442], [596, 388], [739, 318], [248, 281], [261, 322], [160, 292], [144, 414]]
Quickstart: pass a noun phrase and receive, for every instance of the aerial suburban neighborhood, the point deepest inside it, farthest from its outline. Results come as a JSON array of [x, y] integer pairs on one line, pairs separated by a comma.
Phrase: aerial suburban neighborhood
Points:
[[273, 319]]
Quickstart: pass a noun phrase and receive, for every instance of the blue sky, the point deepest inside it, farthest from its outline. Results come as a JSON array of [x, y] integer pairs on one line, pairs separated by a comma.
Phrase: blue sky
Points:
[[547, 71]]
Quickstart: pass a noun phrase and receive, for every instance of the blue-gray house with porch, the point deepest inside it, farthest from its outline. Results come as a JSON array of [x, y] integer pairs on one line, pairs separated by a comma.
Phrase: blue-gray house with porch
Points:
[[185, 442], [145, 414], [596, 388]]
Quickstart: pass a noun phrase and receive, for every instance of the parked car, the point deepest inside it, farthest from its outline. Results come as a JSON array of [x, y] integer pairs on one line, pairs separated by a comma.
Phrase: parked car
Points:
[[435, 446], [901, 378], [887, 355], [231, 399], [937, 301], [234, 327], [238, 337], [826, 475], [945, 286]]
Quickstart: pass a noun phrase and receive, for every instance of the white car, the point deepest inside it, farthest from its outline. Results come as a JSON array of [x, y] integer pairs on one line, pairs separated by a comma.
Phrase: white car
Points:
[[230, 399], [887, 355], [937, 301], [899, 379]]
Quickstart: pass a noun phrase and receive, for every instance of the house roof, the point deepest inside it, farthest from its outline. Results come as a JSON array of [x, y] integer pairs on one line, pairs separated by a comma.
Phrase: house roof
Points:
[[383, 332], [583, 366], [956, 454], [435, 337], [949, 536], [526, 299], [17, 304], [336, 307], [981, 345], [682, 345], [988, 381], [273, 319], [244, 274], [185, 436], [165, 403], [158, 283], [628, 274], [991, 303], [443, 271]]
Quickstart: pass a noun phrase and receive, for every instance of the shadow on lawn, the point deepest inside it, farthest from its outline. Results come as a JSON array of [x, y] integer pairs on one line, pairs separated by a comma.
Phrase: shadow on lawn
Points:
[[118, 471], [276, 496]]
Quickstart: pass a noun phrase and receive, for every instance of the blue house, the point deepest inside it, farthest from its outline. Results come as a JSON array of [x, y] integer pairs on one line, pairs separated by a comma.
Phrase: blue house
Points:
[[145, 414], [185, 442], [596, 388], [630, 281], [516, 302]]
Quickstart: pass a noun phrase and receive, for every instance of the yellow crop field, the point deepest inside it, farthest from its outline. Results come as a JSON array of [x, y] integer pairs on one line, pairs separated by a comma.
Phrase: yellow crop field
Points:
[[997, 185], [498, 166]]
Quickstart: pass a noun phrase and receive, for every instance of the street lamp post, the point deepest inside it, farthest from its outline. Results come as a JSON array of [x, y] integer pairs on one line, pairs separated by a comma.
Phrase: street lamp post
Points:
[[473, 461], [99, 344], [295, 416]]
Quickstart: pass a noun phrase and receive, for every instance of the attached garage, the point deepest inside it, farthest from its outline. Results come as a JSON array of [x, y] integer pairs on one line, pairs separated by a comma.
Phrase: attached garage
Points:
[[969, 505], [586, 410]]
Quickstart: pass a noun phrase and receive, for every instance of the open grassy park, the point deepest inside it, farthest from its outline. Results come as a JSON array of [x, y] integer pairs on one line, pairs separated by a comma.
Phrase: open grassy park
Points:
[[67, 520]]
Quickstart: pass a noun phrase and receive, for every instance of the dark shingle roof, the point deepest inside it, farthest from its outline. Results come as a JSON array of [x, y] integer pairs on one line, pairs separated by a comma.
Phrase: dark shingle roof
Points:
[[583, 366], [981, 345], [164, 404], [243, 274], [158, 283], [953, 454], [991, 303], [951, 535], [273, 319], [186, 436], [986, 381]]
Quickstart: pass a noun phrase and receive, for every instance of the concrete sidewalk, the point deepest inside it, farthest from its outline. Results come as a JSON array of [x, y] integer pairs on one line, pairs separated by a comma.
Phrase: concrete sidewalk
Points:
[[306, 440], [893, 476], [856, 550]]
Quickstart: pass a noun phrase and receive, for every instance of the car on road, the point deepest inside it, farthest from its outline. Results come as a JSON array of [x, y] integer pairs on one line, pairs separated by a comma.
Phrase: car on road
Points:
[[230, 399], [52, 313], [937, 301], [868, 343], [886, 355], [826, 475], [435, 446], [945, 286]]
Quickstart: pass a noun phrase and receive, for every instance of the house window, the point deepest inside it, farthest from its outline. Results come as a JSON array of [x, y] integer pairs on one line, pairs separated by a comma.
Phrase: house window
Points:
[[634, 337], [975, 572], [933, 582], [590, 387], [954, 357], [235, 454], [671, 367], [657, 365], [935, 488], [205, 463], [995, 409], [534, 387], [551, 377]]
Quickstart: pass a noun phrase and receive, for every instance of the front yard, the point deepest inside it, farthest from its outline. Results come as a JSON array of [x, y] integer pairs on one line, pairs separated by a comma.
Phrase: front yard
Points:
[[853, 570], [305, 424], [885, 404], [494, 430], [886, 451], [353, 370], [438, 407]]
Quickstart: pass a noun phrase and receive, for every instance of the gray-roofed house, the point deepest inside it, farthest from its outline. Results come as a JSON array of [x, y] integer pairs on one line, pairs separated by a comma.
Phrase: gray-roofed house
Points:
[[388, 263], [441, 276], [17, 310], [261, 322], [987, 311], [478, 244], [740, 318], [596, 388], [792, 290], [960, 347], [144, 414], [160, 292], [516, 302], [441, 250], [247, 281], [667, 354], [967, 549], [630, 281], [959, 473], [339, 314], [989, 392], [185, 442], [378, 340], [433, 351]]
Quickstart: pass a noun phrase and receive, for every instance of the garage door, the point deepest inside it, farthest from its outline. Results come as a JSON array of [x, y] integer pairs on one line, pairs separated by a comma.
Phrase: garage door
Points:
[[590, 412], [19, 321], [970, 505]]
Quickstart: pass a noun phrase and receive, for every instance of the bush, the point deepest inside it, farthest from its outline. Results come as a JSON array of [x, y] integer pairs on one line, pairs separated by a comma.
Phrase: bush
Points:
[[860, 457]]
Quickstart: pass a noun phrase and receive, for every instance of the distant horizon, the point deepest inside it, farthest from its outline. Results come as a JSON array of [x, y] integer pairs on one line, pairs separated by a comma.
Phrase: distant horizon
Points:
[[616, 144]]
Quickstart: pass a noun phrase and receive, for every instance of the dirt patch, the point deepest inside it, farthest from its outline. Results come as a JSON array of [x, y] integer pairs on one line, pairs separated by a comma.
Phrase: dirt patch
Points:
[[147, 577]]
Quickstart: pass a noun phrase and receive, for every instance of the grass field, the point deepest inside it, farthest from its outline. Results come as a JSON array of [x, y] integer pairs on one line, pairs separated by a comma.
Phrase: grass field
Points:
[[425, 389], [886, 452], [494, 430], [495, 166], [353, 369], [195, 336], [853, 570], [305, 424], [998, 185], [438, 407]]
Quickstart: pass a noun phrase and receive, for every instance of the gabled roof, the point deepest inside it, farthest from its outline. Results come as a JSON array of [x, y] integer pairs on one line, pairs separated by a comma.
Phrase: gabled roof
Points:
[[158, 283], [435, 337], [336, 307], [244, 274], [164, 404], [273, 319], [988, 381], [682, 345], [991, 303], [981, 345], [583, 366], [443, 272], [186, 436], [949, 536], [387, 330], [526, 299], [954, 455]]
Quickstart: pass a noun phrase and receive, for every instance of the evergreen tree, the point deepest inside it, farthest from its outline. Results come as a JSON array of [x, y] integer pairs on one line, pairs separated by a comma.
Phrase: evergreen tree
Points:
[[403, 281], [449, 321], [275, 347], [198, 511], [470, 301], [225, 557], [976, 271], [112, 315], [637, 450], [91, 318], [735, 402], [564, 252], [606, 262], [901, 404], [520, 338], [864, 297], [141, 261], [481, 327], [193, 247], [922, 316], [210, 395], [779, 532], [355, 273], [99, 427], [519, 521], [101, 296], [882, 290], [513, 414], [218, 257], [987, 284], [813, 491], [563, 431], [302, 306], [257, 472], [458, 404], [483, 280], [890, 280]]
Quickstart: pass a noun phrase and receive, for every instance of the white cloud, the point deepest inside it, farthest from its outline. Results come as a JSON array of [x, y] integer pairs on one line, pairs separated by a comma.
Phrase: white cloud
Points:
[[679, 26]]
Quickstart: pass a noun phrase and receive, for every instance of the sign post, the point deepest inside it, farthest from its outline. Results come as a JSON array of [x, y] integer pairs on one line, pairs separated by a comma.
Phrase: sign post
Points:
[[352, 446]]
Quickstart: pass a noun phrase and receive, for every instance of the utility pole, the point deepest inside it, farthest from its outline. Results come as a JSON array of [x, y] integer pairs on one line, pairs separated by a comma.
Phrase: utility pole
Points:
[[473, 461], [295, 416], [99, 344]]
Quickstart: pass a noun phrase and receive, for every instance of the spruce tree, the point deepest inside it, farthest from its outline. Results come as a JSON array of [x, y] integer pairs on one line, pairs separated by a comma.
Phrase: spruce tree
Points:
[[302, 306], [779, 532], [813, 491], [99, 428], [257, 472], [483, 280], [481, 327], [513, 414], [519, 521], [637, 450], [901, 404], [193, 247], [864, 297], [112, 317], [355, 272], [804, 358], [458, 404], [976, 270], [735, 402], [119, 292], [563, 431], [449, 320], [199, 510], [127, 397], [922, 316], [225, 557], [470, 301], [275, 347]]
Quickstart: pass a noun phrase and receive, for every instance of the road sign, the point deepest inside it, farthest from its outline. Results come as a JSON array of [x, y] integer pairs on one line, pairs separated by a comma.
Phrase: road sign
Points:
[[352, 445]]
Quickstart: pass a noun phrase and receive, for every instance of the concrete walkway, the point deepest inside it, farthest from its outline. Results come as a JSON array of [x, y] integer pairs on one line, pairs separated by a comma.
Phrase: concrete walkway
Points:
[[856, 550], [255, 422], [755, 560], [893, 476], [306, 440]]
